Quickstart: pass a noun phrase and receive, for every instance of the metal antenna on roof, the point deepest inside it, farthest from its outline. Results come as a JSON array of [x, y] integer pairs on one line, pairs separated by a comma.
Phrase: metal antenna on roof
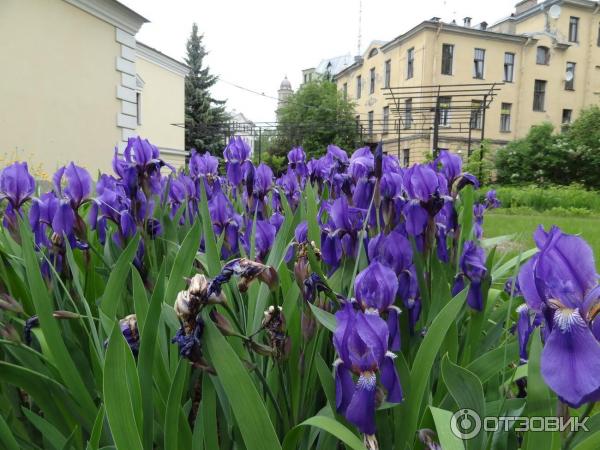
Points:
[[359, 26]]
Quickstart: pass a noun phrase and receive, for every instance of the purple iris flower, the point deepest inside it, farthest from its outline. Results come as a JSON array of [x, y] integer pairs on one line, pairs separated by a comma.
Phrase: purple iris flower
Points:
[[16, 186], [561, 282], [425, 189], [337, 158], [140, 167], [395, 252], [392, 200], [511, 287], [375, 288], [472, 264], [203, 165], [237, 156], [264, 238], [421, 183], [446, 222], [450, 165], [528, 320], [362, 163], [288, 182], [263, 181], [297, 162], [340, 235], [361, 341], [391, 165], [320, 170], [478, 212], [225, 220], [78, 184], [363, 194], [41, 215], [491, 201], [177, 195]]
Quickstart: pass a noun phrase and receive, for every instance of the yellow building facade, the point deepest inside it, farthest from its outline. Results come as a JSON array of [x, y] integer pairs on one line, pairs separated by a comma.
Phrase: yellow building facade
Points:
[[75, 84], [544, 60]]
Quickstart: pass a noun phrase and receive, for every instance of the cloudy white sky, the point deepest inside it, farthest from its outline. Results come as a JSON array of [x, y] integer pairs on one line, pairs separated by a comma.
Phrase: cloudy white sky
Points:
[[255, 43]]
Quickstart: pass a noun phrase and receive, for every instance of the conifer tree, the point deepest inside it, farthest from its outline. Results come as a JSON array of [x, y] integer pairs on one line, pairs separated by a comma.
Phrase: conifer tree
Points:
[[204, 115]]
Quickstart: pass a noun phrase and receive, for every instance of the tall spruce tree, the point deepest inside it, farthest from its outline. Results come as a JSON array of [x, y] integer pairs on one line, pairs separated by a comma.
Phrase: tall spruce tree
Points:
[[204, 115]]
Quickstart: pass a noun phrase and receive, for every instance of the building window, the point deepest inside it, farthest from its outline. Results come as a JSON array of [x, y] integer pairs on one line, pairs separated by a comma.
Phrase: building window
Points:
[[372, 81], [444, 111], [574, 29], [370, 123], [305, 78], [447, 58], [479, 63], [598, 43], [509, 67], [408, 113], [388, 74], [358, 86], [505, 114], [566, 118], [138, 107], [570, 77], [345, 90], [476, 115], [542, 55], [406, 157], [410, 63], [539, 95], [386, 119]]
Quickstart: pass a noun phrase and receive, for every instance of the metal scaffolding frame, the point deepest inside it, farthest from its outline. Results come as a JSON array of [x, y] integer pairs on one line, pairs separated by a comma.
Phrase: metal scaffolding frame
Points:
[[437, 111]]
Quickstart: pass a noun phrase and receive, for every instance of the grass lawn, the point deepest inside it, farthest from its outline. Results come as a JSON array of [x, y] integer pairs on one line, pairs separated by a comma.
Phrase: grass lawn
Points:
[[523, 226]]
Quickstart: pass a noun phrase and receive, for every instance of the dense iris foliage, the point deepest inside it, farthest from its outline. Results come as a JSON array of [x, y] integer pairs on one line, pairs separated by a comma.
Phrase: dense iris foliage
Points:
[[348, 302]]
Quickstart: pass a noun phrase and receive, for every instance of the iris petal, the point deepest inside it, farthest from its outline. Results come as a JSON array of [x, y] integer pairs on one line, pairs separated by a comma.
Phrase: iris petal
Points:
[[571, 358], [361, 410]]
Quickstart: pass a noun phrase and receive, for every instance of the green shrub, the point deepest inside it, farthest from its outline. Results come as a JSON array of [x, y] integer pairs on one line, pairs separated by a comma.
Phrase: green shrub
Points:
[[545, 158], [572, 198]]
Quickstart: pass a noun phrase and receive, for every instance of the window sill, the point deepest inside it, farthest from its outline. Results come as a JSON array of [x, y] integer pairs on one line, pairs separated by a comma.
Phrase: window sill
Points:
[[509, 81], [570, 90], [505, 131], [539, 110], [478, 78]]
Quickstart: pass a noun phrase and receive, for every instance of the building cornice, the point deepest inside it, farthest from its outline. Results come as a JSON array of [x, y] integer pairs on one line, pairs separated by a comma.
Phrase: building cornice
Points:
[[457, 29], [112, 12], [544, 6], [156, 57]]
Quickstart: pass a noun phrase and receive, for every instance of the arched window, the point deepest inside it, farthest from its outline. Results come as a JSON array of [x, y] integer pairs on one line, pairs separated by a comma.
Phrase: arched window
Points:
[[373, 52], [543, 55]]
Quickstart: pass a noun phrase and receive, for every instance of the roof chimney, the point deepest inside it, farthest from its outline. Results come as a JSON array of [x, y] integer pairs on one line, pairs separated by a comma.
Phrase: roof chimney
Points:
[[435, 19], [483, 26], [524, 5], [467, 21]]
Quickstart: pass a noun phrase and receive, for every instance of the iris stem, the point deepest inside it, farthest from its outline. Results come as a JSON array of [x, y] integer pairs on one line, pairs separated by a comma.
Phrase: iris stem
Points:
[[269, 392], [586, 413]]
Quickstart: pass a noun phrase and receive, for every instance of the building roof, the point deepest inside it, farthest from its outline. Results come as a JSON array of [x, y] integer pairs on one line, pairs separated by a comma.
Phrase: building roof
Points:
[[435, 25], [285, 84], [159, 58], [543, 6], [113, 12], [334, 65]]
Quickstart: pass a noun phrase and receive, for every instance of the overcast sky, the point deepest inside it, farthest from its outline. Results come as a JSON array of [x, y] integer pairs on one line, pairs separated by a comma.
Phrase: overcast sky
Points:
[[256, 43]]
